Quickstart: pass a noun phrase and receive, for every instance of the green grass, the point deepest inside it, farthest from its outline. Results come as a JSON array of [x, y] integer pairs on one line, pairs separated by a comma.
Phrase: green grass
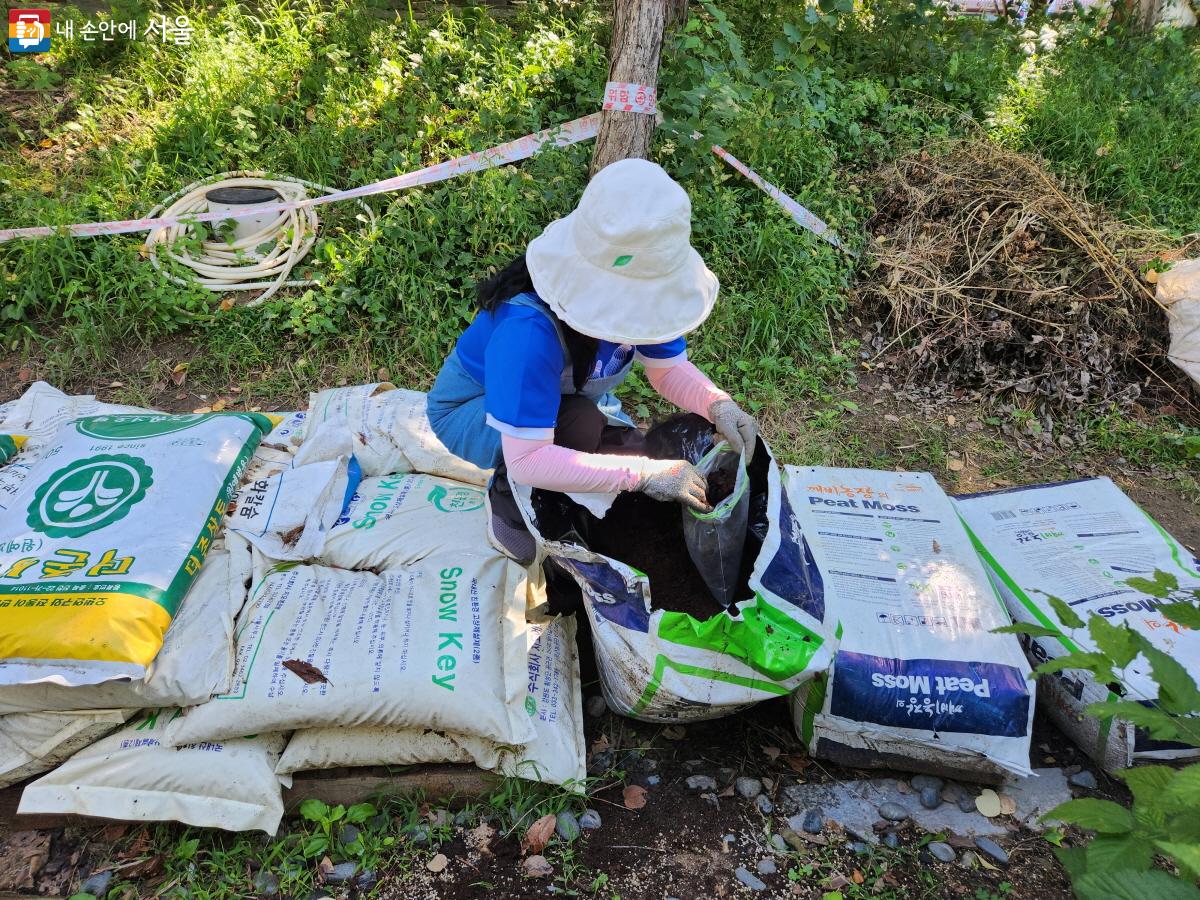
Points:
[[330, 93]]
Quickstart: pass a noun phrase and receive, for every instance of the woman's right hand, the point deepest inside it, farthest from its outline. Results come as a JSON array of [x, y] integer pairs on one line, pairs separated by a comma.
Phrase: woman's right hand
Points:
[[674, 480]]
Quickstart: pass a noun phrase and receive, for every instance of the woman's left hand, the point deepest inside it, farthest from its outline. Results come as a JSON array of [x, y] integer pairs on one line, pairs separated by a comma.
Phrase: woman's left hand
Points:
[[735, 425]]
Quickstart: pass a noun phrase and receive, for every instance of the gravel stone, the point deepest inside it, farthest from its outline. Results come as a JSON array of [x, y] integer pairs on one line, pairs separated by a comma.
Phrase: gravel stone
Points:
[[860, 847], [921, 782], [418, 834], [813, 821], [1083, 779], [566, 827], [749, 879], [942, 852], [590, 820], [764, 804], [596, 707], [96, 884], [341, 873], [767, 867], [991, 849], [265, 884], [348, 834], [652, 780], [891, 840], [701, 782], [966, 804], [969, 859], [930, 798], [748, 787], [893, 812], [367, 880]]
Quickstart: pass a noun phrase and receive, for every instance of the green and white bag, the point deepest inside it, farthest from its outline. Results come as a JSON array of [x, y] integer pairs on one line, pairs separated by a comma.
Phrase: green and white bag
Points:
[[105, 536], [32, 743], [664, 666], [553, 702]]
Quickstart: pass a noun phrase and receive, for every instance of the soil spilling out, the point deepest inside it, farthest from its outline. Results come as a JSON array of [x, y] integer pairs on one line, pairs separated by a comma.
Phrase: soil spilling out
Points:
[[648, 535]]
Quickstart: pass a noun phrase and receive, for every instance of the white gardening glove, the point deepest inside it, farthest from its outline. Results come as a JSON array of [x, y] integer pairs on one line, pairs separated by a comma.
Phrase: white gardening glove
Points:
[[673, 480], [735, 425]]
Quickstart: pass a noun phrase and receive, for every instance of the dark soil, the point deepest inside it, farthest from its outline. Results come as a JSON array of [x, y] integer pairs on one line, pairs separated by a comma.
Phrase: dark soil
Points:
[[720, 485], [648, 535]]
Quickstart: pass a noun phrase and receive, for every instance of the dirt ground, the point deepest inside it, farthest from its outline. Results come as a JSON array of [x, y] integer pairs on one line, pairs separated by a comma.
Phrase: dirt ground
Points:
[[684, 843]]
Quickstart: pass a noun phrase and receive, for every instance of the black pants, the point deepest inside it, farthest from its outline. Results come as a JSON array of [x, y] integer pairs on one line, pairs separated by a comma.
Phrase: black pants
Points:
[[581, 426]]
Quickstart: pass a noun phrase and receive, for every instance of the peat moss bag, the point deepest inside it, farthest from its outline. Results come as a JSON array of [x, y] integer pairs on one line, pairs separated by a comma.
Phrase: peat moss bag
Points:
[[104, 537], [661, 665]]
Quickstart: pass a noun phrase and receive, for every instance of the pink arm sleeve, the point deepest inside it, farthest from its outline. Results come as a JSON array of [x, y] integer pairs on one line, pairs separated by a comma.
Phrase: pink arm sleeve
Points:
[[545, 465], [685, 386]]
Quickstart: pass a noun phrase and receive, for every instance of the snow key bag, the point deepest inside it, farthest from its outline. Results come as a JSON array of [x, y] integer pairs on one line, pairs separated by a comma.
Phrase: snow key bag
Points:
[[105, 535], [134, 775], [553, 701], [441, 644], [32, 743], [385, 428], [1087, 544], [919, 680]]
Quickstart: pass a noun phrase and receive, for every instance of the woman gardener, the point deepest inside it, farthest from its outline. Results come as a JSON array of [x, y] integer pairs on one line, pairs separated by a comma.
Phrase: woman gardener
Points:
[[528, 387]]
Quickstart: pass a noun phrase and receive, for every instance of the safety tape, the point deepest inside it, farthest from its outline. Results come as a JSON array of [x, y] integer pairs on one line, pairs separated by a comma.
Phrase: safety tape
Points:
[[573, 132], [802, 216], [625, 96]]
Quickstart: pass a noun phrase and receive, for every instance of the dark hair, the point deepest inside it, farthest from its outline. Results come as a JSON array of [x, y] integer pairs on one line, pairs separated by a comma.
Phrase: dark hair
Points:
[[514, 279]]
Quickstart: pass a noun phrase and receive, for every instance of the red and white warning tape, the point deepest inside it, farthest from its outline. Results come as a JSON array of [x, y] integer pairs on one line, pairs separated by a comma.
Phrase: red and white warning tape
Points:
[[618, 96]]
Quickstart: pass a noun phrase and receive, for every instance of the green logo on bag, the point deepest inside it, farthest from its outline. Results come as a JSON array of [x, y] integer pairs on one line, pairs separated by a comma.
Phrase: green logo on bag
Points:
[[88, 494], [622, 260], [456, 499], [133, 427], [530, 705]]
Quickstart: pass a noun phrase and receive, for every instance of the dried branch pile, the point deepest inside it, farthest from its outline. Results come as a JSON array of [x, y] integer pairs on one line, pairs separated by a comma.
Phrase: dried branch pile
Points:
[[989, 272]]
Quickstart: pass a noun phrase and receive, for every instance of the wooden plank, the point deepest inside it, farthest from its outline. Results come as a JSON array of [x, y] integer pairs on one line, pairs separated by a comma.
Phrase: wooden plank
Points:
[[438, 784]]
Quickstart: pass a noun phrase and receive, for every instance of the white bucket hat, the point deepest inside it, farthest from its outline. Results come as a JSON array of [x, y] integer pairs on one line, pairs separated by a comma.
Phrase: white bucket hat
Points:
[[620, 267]]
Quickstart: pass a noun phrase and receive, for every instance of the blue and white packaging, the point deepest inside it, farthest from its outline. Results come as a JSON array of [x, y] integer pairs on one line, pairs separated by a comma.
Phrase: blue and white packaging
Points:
[[1079, 541], [919, 681]]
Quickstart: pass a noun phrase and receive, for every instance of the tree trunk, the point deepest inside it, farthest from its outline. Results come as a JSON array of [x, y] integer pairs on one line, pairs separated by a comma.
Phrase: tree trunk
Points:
[[638, 29]]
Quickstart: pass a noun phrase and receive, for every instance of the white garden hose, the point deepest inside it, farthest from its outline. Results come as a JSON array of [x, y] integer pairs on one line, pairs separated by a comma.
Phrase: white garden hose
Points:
[[246, 264]]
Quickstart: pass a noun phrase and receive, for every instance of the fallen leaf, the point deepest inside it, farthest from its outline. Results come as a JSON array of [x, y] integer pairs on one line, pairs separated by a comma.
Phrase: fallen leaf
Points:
[[857, 877], [988, 803], [771, 753], [144, 868], [1008, 805], [634, 796], [796, 763], [728, 792], [674, 732], [937, 548], [438, 863], [325, 866], [539, 834], [225, 305], [537, 867], [1152, 276], [46, 143], [110, 834], [951, 421], [768, 784], [600, 744], [219, 404], [837, 881], [24, 374], [311, 113], [797, 839], [307, 672], [202, 409], [383, 374], [955, 465]]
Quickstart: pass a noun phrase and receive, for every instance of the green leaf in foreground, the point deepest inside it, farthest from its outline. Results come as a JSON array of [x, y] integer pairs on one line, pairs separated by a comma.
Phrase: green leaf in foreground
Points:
[[1107, 853], [1065, 614], [1099, 815], [1186, 856], [1129, 885], [1028, 628], [1186, 614]]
